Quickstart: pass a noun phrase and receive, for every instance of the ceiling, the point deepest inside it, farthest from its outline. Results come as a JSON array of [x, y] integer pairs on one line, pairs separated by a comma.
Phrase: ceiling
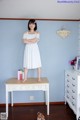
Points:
[[43, 9]]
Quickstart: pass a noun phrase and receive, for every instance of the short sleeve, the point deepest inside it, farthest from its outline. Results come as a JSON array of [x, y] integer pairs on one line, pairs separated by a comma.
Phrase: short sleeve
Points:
[[25, 36]]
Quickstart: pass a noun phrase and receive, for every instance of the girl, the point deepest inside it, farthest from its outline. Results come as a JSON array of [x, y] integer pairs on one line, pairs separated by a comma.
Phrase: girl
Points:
[[31, 53]]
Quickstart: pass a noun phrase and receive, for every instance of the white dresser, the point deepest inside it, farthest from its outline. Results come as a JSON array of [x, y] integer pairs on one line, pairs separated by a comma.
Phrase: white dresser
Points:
[[72, 91]]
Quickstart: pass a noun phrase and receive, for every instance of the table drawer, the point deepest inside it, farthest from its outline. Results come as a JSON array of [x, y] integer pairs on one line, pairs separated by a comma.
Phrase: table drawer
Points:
[[27, 87]]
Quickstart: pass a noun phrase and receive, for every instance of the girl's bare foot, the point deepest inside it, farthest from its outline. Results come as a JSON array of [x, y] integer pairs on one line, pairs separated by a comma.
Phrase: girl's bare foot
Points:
[[39, 73], [24, 80], [25, 74], [39, 79]]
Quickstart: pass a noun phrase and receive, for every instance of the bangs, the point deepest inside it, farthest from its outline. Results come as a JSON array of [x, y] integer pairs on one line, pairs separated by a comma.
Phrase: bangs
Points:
[[32, 21]]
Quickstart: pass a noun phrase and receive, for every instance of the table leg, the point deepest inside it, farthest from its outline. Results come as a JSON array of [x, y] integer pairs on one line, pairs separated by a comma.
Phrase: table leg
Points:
[[48, 101], [6, 102], [45, 95], [12, 98]]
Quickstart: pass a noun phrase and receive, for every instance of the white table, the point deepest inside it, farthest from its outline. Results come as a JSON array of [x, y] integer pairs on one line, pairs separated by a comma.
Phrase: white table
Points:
[[31, 84]]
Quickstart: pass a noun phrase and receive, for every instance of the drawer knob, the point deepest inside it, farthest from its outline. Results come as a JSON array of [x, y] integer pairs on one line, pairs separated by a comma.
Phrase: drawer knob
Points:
[[67, 74], [68, 86], [73, 78], [67, 91], [73, 85], [73, 97], [73, 91], [67, 96], [72, 103], [67, 80]]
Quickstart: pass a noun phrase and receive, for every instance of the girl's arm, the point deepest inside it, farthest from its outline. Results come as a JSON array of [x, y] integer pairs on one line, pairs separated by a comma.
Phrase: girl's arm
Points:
[[34, 40], [27, 41]]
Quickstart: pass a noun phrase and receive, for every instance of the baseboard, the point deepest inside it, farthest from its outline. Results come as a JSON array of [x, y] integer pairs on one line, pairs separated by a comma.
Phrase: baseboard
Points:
[[57, 103], [32, 104]]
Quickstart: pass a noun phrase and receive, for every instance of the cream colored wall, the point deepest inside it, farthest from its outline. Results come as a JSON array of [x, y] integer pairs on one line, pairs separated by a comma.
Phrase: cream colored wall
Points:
[[39, 9]]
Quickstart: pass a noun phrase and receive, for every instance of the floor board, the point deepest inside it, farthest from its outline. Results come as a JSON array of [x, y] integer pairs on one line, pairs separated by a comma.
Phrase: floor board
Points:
[[57, 112]]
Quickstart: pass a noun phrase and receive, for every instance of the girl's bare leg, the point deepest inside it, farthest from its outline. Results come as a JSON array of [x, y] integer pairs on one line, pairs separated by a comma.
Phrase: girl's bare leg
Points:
[[25, 74], [39, 74]]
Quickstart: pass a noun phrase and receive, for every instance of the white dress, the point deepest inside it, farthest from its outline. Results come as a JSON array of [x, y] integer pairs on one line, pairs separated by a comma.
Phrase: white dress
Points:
[[32, 58]]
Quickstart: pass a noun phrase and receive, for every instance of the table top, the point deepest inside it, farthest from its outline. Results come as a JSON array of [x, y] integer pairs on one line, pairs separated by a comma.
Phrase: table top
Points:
[[44, 80]]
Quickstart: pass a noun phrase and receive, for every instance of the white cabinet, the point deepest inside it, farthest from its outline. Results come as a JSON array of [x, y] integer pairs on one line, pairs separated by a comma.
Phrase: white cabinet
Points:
[[72, 91]]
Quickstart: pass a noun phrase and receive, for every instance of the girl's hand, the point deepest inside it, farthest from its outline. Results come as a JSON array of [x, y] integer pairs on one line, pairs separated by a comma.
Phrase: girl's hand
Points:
[[34, 40], [28, 41]]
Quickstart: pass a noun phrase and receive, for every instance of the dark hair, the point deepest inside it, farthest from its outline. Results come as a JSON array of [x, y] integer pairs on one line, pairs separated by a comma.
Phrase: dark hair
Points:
[[32, 21]]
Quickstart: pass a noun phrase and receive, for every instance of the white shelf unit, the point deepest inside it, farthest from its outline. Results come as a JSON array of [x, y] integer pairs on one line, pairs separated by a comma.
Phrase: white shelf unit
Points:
[[72, 91]]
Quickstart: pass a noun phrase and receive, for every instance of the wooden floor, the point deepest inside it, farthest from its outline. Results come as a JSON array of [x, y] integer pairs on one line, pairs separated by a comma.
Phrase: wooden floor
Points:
[[57, 112]]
